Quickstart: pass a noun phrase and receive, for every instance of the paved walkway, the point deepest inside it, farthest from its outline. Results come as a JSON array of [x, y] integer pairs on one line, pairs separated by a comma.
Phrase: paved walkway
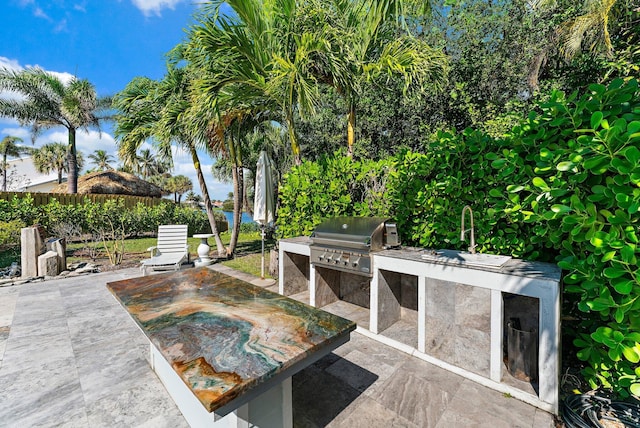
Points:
[[70, 355]]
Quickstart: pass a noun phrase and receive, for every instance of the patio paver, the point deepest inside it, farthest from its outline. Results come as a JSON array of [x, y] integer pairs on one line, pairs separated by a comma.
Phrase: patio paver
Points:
[[70, 355]]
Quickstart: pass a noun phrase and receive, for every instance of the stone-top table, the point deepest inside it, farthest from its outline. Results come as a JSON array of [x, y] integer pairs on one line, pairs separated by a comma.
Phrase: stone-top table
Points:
[[231, 344]]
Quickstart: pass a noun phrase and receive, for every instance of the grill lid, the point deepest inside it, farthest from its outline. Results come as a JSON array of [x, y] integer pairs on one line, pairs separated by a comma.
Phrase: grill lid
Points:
[[355, 230]]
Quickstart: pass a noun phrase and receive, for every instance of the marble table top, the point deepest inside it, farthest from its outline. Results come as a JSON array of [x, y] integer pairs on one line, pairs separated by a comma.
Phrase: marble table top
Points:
[[223, 336]]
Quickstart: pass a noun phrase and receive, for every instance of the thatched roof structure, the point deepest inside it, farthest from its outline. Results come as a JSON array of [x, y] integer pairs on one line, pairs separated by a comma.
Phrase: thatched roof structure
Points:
[[114, 183]]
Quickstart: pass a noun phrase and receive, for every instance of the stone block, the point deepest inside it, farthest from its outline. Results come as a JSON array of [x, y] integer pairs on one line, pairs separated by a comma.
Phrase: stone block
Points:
[[31, 246], [48, 264], [59, 246]]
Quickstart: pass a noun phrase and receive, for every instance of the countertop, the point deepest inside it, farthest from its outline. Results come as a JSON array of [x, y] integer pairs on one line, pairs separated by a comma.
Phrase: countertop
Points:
[[514, 267], [224, 336]]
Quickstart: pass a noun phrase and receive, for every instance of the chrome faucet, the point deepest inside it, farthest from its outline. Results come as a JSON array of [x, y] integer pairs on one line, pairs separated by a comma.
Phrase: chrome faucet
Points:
[[472, 246]]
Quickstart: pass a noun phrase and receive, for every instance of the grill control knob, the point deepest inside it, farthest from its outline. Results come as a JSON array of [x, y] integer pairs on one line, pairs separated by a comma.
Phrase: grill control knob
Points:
[[322, 256], [355, 262]]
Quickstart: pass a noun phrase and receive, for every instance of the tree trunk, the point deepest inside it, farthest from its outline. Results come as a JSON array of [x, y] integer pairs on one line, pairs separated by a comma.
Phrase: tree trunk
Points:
[[237, 208], [72, 179], [59, 176], [222, 251], [293, 140], [534, 70], [351, 127], [4, 175], [246, 204]]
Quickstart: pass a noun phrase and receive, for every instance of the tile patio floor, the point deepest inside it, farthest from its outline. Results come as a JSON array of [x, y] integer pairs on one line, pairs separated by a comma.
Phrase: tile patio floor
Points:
[[71, 356]]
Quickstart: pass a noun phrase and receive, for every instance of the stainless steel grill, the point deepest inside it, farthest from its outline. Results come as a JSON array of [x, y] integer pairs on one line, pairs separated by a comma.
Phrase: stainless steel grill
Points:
[[346, 243]]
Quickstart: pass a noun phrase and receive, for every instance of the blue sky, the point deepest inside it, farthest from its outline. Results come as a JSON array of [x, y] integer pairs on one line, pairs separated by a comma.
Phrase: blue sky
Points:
[[108, 42]]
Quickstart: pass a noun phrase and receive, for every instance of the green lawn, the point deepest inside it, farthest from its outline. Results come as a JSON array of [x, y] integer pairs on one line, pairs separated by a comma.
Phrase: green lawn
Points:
[[247, 252]]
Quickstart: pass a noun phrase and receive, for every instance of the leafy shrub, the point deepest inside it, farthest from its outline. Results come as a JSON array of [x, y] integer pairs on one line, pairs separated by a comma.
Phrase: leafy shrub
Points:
[[582, 193], [55, 213], [249, 227], [109, 221], [10, 233], [428, 191], [195, 218], [333, 186], [19, 209]]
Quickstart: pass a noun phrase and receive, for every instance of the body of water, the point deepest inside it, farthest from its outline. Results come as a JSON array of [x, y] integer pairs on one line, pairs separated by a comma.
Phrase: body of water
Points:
[[246, 218]]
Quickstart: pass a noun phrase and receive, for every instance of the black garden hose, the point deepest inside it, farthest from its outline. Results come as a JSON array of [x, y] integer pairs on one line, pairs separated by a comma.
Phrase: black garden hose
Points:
[[584, 411]]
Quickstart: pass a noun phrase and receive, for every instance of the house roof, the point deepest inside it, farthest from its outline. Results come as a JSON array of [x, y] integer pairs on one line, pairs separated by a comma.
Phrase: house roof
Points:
[[25, 174], [113, 182]]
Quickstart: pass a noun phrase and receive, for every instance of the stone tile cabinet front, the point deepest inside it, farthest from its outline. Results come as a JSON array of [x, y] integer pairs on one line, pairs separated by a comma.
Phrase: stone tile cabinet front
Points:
[[461, 319]]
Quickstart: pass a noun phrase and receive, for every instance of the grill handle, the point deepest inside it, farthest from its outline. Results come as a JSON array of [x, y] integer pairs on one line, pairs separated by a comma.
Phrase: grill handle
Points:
[[340, 242]]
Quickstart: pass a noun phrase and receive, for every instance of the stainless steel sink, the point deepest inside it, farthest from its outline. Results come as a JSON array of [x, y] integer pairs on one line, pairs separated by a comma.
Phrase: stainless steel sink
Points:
[[463, 258]]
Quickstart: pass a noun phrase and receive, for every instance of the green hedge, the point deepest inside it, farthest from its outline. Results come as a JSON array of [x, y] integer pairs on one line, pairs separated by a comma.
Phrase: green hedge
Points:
[[581, 190], [87, 216], [331, 187], [563, 186]]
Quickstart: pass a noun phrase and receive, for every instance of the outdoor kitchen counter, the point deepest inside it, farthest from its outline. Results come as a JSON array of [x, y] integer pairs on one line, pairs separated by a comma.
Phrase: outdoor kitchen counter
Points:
[[227, 340], [514, 267], [461, 315]]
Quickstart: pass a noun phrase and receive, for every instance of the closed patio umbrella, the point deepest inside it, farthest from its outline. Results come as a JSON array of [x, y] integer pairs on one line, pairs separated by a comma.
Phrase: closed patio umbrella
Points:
[[263, 204]]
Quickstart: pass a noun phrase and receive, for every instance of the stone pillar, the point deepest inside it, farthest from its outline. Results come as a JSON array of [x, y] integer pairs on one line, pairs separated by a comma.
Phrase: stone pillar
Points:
[[59, 246], [31, 246]]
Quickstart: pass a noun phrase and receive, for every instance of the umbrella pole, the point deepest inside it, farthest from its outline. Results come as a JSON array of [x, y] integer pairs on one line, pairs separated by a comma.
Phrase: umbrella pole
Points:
[[262, 234]]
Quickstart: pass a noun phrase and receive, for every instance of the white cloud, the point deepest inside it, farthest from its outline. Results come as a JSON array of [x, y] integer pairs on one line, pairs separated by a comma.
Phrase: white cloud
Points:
[[11, 64], [149, 7], [61, 26], [17, 132], [63, 76], [86, 142], [39, 13], [8, 121], [183, 165]]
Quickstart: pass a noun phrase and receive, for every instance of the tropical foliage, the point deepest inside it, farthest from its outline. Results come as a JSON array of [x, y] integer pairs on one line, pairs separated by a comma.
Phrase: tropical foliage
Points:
[[158, 111], [101, 159], [555, 175], [48, 102], [8, 147], [53, 157]]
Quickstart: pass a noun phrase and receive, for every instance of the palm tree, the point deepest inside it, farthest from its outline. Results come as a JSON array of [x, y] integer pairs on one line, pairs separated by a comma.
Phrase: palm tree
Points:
[[48, 102], [590, 30], [367, 39], [179, 185], [8, 147], [146, 164], [150, 109], [54, 157], [192, 198], [253, 64], [101, 160]]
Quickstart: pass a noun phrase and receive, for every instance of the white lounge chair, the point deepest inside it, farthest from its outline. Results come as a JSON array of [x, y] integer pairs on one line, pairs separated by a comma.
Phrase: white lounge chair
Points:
[[171, 251]]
